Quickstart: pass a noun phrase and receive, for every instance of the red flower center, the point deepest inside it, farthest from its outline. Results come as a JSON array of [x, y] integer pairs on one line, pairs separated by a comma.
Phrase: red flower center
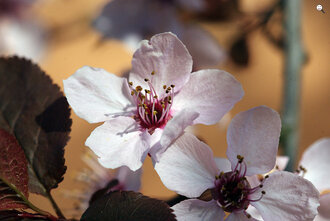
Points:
[[152, 112], [232, 190]]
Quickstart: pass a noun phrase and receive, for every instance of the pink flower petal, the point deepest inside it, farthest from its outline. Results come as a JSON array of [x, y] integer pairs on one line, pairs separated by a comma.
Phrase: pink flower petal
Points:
[[324, 209], [211, 93], [194, 6], [130, 179], [316, 161], [223, 164], [197, 210], [318, 217], [254, 134], [253, 180], [254, 212], [187, 167], [173, 129], [166, 55], [239, 217], [281, 162], [22, 37], [288, 197], [95, 95], [118, 142]]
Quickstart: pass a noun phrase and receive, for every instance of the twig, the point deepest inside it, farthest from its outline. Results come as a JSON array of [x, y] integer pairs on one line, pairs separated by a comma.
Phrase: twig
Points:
[[293, 65], [26, 201], [55, 206]]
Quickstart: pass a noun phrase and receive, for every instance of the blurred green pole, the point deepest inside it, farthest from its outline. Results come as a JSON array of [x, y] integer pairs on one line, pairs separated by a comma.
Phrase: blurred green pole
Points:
[[292, 70]]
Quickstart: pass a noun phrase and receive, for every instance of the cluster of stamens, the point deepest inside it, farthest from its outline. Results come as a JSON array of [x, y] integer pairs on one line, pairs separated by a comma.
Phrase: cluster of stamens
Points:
[[232, 190], [152, 111]]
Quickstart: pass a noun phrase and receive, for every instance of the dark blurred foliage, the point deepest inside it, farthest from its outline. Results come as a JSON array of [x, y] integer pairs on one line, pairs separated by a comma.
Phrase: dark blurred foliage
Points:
[[239, 51], [14, 7], [145, 18]]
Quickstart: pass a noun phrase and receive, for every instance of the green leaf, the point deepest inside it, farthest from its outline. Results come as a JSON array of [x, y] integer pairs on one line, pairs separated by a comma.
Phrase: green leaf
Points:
[[13, 173], [128, 205], [34, 109]]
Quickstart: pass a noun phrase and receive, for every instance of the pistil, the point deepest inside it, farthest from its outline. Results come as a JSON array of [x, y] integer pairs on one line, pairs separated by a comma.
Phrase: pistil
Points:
[[233, 191], [152, 111]]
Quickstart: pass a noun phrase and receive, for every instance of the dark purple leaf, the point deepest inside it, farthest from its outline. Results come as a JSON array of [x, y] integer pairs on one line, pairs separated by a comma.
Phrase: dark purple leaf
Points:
[[13, 173], [128, 205], [103, 191], [239, 52], [14, 215], [34, 109]]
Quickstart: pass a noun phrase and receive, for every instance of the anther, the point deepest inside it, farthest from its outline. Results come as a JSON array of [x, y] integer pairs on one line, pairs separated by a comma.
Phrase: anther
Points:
[[155, 96], [266, 176], [302, 168], [164, 86], [153, 73], [146, 79], [130, 83], [263, 192], [240, 186], [138, 88], [240, 158], [172, 85], [132, 93], [155, 112]]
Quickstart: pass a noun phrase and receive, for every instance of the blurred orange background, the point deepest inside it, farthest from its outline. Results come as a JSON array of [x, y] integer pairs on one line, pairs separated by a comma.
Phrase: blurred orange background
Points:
[[73, 43]]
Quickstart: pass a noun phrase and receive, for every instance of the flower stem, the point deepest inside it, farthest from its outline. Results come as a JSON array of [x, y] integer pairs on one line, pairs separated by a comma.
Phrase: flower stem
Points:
[[292, 69], [26, 201], [55, 206]]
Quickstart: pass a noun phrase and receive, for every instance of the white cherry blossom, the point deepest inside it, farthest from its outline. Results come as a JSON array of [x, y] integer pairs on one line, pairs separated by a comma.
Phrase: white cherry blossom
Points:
[[316, 165], [150, 111], [219, 186]]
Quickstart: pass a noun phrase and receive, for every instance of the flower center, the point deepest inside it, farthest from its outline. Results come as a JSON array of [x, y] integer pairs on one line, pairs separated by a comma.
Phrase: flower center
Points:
[[152, 111], [232, 190]]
